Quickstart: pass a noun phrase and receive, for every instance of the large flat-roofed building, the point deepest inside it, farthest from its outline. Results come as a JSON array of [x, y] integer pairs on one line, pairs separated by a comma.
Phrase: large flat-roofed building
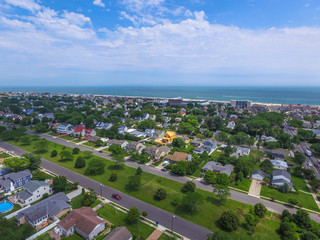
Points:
[[241, 103]]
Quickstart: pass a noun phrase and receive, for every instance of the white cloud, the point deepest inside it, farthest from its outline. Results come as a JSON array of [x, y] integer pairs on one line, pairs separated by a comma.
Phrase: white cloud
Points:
[[65, 40], [98, 3], [26, 4]]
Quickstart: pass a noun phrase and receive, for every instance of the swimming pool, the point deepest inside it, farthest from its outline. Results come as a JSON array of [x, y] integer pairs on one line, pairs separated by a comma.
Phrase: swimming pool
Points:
[[5, 207]]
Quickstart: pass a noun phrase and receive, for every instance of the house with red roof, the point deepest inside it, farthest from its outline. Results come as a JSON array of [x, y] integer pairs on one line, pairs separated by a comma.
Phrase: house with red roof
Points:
[[83, 221], [82, 131]]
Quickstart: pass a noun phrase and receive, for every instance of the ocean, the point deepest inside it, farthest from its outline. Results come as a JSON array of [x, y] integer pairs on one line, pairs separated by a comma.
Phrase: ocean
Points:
[[284, 95]]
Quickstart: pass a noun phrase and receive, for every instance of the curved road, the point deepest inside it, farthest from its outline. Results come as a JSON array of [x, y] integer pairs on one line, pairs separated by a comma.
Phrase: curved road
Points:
[[181, 226]]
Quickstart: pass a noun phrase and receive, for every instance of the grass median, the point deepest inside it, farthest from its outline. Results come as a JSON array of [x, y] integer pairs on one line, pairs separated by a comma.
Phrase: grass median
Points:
[[209, 211]]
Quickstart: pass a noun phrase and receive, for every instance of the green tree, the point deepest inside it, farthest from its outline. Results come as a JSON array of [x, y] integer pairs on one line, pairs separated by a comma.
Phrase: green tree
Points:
[[266, 166], [16, 163], [287, 231], [65, 156], [299, 157], [115, 149], [214, 123], [80, 163], [316, 148], [222, 191], [217, 236], [229, 221], [189, 203], [139, 171], [95, 167], [59, 183], [223, 179], [41, 145], [285, 188], [25, 140], [302, 219], [188, 187], [160, 194], [250, 222], [133, 216], [308, 236], [260, 210], [113, 177], [209, 177], [34, 160], [75, 150], [178, 143], [134, 183], [54, 153]]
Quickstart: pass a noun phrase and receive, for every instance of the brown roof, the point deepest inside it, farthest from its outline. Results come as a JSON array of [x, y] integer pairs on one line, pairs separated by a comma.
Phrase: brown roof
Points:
[[85, 219], [120, 233], [177, 156]]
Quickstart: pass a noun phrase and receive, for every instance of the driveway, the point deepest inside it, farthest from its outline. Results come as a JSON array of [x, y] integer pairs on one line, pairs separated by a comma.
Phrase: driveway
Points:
[[255, 188]]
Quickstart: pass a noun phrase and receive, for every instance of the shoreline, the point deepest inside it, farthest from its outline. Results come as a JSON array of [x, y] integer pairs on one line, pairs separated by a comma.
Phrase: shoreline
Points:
[[162, 98]]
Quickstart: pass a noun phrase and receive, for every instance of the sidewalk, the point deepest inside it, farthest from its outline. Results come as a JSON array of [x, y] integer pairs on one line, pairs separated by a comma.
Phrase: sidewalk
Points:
[[155, 235], [74, 193]]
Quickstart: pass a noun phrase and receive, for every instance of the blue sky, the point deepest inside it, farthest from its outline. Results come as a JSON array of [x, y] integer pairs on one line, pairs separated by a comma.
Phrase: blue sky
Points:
[[159, 42]]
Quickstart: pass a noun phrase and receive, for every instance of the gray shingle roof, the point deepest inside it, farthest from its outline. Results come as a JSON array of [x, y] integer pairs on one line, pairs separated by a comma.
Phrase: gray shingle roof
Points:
[[33, 185], [18, 175], [50, 206], [120, 233], [261, 173], [282, 173], [24, 194], [218, 167]]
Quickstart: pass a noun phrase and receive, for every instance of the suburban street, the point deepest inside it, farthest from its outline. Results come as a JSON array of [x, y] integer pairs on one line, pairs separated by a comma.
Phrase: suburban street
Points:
[[235, 195], [181, 226]]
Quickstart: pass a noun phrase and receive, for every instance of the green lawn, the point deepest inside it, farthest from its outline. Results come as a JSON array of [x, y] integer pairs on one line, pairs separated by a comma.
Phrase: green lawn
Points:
[[74, 236], [76, 202], [299, 183], [164, 237], [89, 144], [117, 218], [67, 137], [244, 184], [306, 200], [4, 155], [209, 210], [45, 236]]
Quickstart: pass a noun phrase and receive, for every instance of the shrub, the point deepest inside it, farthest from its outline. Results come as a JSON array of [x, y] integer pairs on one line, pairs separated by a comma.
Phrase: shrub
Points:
[[175, 202], [139, 171], [133, 215], [54, 153], [160, 194], [113, 177], [293, 201], [144, 213], [188, 187], [229, 221], [260, 210], [80, 163], [45, 195], [75, 150]]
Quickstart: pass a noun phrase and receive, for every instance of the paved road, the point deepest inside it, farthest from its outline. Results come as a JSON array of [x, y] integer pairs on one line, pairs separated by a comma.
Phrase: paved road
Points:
[[181, 226], [238, 196]]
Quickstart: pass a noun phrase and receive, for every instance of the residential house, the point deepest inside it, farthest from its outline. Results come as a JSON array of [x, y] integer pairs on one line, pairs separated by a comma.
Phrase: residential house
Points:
[[268, 139], [4, 171], [48, 209], [209, 145], [278, 156], [122, 129], [280, 177], [107, 126], [167, 138], [121, 143], [65, 128], [81, 131], [198, 150], [241, 152], [33, 191], [149, 132], [196, 142], [83, 221], [178, 157], [277, 164], [231, 125], [14, 180], [218, 167], [119, 233], [162, 151], [93, 138], [307, 124], [259, 175], [151, 150], [135, 147]]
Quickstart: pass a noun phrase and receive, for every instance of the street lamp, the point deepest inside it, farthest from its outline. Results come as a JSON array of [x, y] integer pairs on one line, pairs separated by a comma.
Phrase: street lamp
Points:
[[173, 216], [101, 190]]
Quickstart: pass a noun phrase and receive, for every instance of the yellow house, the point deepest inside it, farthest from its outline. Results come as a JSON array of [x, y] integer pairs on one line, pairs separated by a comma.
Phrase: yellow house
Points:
[[167, 138]]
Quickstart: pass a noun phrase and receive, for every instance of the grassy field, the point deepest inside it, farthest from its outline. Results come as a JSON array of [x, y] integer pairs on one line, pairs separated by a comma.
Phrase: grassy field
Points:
[[67, 137], [117, 218], [89, 144], [208, 212], [305, 199], [243, 185]]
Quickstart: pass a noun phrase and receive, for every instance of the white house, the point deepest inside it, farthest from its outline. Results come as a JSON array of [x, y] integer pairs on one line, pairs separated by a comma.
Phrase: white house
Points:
[[33, 191], [241, 152]]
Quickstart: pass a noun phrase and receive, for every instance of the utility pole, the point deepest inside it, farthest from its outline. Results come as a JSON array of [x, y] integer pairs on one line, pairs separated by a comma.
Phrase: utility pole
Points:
[[101, 190], [173, 216]]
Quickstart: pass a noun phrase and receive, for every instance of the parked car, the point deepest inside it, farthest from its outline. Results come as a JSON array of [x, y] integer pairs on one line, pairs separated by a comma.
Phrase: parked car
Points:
[[163, 170], [100, 151], [116, 196]]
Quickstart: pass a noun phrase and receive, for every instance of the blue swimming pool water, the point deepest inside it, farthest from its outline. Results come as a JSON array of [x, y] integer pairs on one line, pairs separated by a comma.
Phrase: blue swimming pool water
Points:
[[5, 207]]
